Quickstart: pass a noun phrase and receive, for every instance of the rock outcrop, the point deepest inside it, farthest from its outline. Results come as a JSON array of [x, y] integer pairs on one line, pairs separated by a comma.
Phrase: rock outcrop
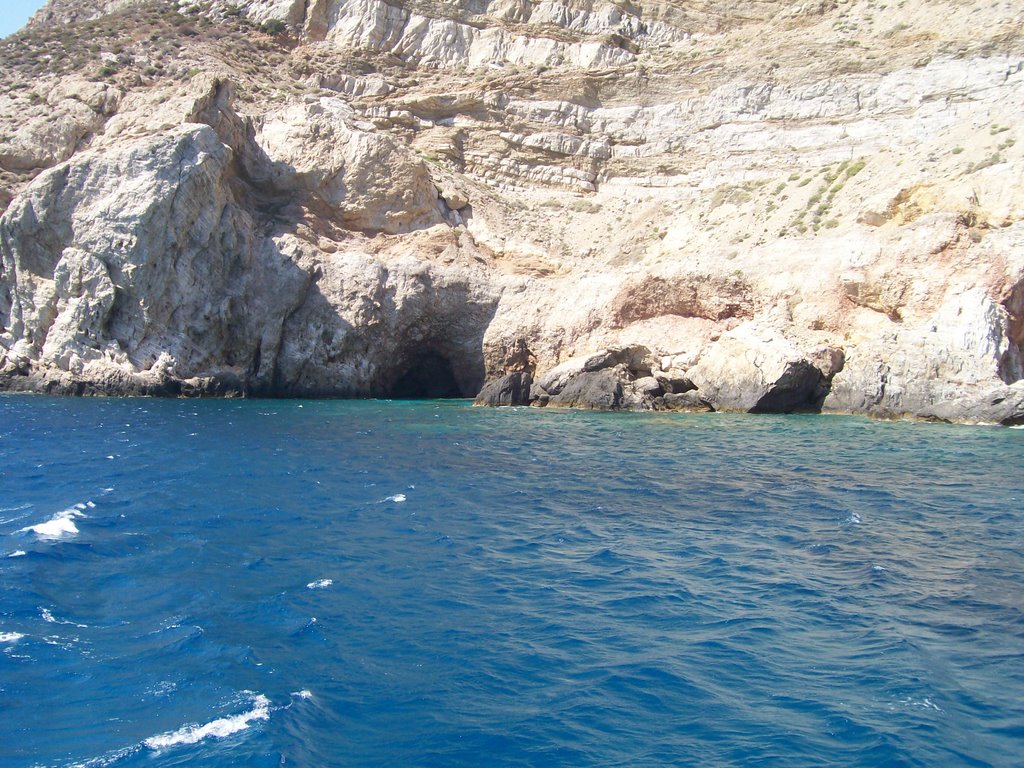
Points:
[[753, 207], [758, 371], [510, 389]]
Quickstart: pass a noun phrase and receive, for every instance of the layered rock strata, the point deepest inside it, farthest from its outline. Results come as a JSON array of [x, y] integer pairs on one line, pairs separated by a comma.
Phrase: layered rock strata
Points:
[[762, 207]]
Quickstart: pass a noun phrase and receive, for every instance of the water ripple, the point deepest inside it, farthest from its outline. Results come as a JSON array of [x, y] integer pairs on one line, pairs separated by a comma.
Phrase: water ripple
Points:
[[431, 584]]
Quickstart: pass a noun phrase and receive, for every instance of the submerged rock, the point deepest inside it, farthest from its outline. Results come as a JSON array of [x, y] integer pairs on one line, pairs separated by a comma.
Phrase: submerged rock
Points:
[[685, 401]]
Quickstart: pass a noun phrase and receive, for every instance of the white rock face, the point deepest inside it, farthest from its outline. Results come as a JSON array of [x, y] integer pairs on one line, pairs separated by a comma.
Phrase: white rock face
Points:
[[754, 369], [360, 175], [122, 259], [788, 207], [474, 39]]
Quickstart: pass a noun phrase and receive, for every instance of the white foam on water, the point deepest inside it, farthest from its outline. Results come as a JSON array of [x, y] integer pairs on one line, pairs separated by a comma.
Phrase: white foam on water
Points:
[[216, 729], [60, 526], [104, 761], [163, 688], [320, 584], [18, 553], [1017, 426], [10, 637], [853, 519], [48, 617], [305, 693], [920, 704], [398, 498]]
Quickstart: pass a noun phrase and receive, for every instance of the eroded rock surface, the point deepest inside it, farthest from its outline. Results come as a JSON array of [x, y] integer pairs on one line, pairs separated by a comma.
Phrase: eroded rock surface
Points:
[[755, 207]]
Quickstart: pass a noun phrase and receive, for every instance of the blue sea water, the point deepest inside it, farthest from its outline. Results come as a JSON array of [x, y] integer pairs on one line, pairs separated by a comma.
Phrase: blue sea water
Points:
[[265, 583]]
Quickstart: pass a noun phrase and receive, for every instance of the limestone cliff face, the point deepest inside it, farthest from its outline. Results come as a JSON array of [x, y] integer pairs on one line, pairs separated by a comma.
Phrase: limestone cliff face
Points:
[[763, 206]]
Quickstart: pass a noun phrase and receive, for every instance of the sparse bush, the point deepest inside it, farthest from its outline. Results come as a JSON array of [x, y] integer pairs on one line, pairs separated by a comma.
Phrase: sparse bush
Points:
[[991, 160], [582, 206], [273, 27]]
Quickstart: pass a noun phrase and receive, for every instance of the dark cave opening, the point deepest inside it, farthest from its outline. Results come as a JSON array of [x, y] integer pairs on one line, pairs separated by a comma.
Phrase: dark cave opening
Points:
[[429, 376]]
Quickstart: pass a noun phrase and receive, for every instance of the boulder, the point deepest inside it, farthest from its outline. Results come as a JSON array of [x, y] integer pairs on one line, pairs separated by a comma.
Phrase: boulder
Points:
[[635, 360], [612, 378], [998, 405], [648, 386], [758, 371], [598, 390], [674, 380], [510, 389]]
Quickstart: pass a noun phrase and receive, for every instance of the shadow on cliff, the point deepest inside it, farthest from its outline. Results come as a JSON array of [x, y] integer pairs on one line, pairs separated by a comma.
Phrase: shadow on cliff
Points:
[[426, 343], [431, 347]]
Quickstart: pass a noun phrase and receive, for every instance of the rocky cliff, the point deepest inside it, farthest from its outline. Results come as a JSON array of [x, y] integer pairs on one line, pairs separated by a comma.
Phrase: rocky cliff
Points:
[[752, 205]]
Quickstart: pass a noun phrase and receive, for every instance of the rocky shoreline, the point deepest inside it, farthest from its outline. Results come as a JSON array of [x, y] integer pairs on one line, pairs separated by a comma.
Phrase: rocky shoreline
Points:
[[757, 209], [629, 379]]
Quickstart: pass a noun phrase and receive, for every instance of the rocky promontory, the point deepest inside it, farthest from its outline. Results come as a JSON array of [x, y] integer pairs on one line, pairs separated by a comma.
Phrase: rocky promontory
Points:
[[754, 206]]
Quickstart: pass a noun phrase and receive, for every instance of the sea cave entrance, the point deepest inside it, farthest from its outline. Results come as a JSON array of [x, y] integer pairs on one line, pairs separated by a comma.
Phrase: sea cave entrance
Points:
[[428, 376]]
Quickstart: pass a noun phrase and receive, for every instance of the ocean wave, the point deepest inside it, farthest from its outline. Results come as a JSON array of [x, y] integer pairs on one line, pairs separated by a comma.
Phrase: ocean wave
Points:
[[320, 584], [62, 525], [397, 498], [17, 553], [187, 735], [10, 637], [216, 729], [24, 509]]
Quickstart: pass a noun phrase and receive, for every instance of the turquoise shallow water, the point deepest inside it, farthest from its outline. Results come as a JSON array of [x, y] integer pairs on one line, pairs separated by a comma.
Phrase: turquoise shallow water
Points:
[[267, 583]]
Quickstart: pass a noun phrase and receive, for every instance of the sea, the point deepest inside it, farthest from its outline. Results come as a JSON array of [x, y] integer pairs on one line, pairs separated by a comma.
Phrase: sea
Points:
[[425, 583]]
